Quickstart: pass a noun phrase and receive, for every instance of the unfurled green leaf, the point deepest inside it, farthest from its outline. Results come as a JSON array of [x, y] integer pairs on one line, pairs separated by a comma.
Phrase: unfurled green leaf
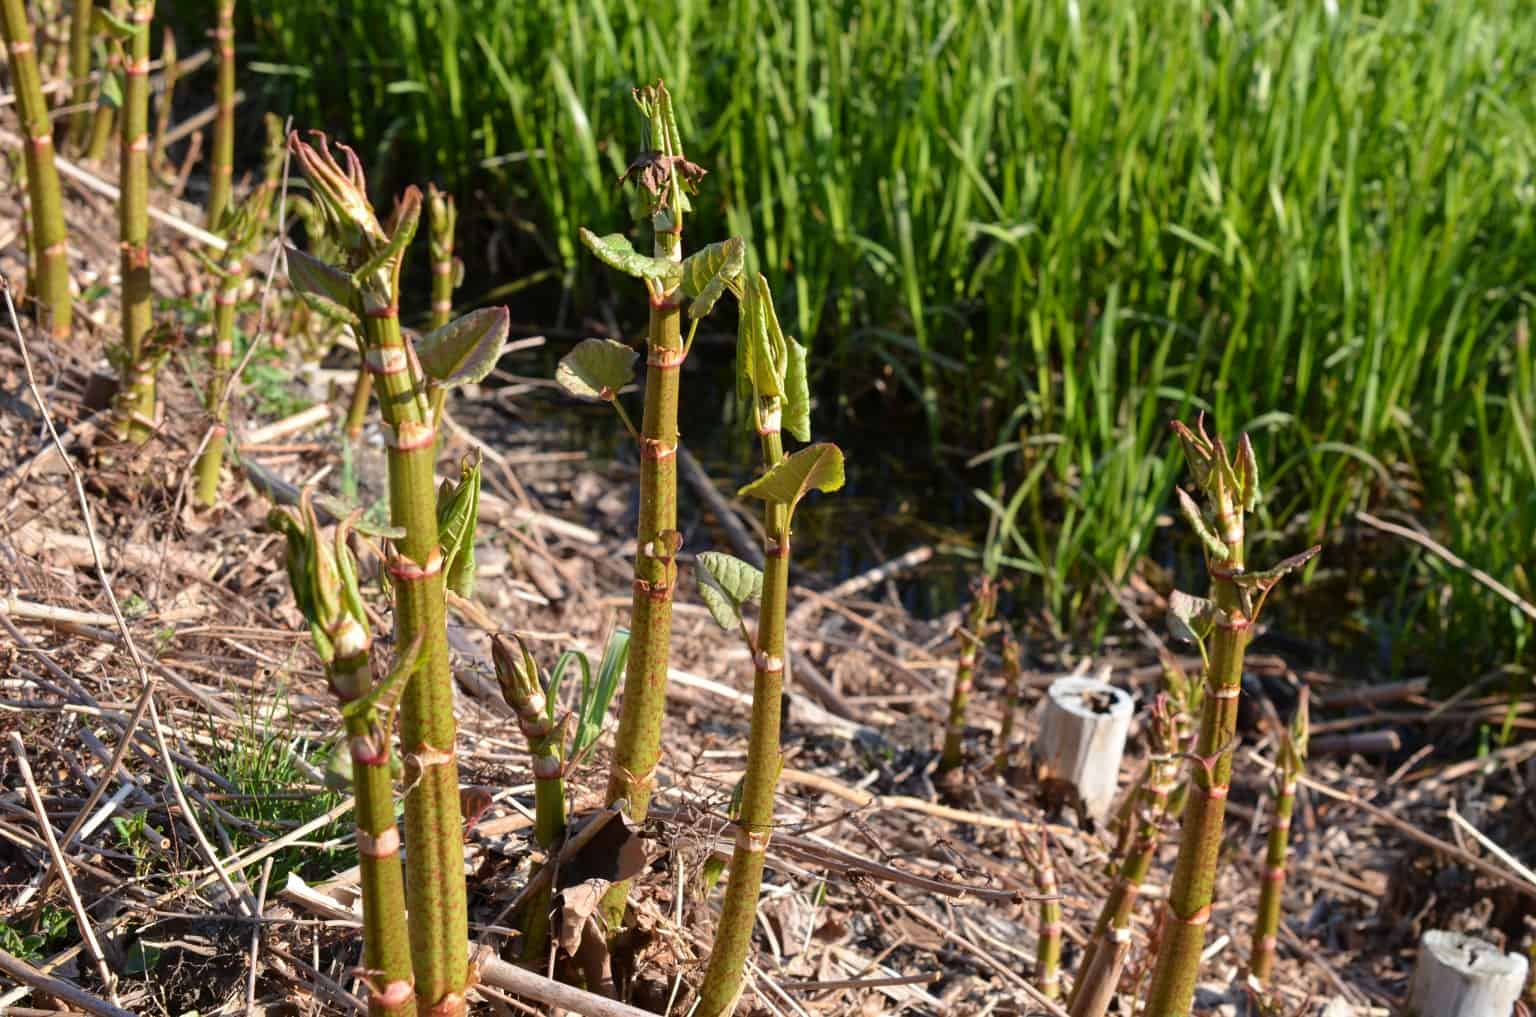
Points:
[[596, 369], [107, 23], [1248, 465], [615, 251], [1190, 618], [324, 288], [727, 584], [458, 516], [708, 271], [465, 349], [111, 95], [816, 467], [797, 394]]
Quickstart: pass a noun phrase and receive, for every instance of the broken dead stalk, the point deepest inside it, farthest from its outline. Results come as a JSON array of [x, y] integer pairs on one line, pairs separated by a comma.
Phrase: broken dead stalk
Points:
[[1293, 761], [1231, 486], [365, 292], [48, 239]]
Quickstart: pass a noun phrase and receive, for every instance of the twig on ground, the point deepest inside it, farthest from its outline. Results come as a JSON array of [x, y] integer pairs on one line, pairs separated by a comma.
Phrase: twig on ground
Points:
[[82, 918], [65, 992]]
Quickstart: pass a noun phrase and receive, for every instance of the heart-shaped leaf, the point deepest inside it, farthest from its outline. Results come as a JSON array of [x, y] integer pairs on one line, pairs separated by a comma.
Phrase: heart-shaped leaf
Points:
[[324, 288], [727, 584], [615, 251], [709, 270], [465, 349], [816, 467], [1189, 617], [596, 369]]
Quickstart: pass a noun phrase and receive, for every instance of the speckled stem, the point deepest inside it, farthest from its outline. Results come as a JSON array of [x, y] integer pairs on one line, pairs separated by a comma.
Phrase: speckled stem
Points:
[[637, 743], [386, 942], [1267, 924], [723, 979], [80, 72], [434, 826], [953, 754], [1194, 873], [49, 241], [211, 464]]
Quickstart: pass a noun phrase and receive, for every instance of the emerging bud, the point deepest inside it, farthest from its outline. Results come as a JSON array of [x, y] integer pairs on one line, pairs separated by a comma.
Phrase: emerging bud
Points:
[[342, 194]]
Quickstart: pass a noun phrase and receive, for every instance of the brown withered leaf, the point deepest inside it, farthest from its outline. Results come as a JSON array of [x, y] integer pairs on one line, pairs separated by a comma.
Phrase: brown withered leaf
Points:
[[615, 853]]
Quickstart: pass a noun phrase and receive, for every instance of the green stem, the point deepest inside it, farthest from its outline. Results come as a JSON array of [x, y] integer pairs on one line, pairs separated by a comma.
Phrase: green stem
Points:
[[1267, 924], [1011, 680], [48, 237], [723, 979], [1111, 932], [985, 596], [637, 743], [518, 677], [1048, 951], [386, 944], [105, 116], [137, 412], [434, 828], [80, 72], [167, 99], [222, 159], [211, 463], [1194, 873]]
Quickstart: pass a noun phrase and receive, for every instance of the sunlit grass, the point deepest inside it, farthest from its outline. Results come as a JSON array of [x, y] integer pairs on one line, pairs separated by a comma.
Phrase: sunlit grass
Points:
[[1314, 220]]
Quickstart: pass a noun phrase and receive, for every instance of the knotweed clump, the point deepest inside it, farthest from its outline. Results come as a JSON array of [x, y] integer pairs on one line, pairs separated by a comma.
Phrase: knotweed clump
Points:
[[1221, 627], [364, 290]]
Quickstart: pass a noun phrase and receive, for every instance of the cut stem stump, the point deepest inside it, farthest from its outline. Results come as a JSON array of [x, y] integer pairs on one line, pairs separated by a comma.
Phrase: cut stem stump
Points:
[[1082, 737], [1458, 976]]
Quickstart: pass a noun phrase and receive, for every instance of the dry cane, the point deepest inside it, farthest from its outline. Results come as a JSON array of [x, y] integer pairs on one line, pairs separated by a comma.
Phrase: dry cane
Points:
[[983, 601], [49, 241], [136, 411], [1225, 621], [1293, 759]]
